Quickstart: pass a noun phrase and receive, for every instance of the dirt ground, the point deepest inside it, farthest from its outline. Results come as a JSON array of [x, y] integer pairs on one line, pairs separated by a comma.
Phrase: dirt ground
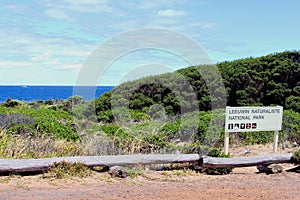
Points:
[[243, 183]]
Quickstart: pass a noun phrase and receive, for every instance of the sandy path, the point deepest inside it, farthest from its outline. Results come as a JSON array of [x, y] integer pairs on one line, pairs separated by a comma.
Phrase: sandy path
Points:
[[243, 183]]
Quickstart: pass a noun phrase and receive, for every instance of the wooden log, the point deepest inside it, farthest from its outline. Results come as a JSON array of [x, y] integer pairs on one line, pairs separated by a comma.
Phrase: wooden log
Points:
[[267, 159], [35, 165]]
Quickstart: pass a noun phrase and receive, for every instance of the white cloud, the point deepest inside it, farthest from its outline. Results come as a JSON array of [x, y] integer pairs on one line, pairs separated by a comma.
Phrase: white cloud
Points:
[[57, 13], [203, 24], [170, 13], [9, 64], [41, 56], [85, 2], [146, 4], [125, 25], [47, 47], [163, 22], [86, 6], [70, 67], [75, 52], [33, 59], [15, 7]]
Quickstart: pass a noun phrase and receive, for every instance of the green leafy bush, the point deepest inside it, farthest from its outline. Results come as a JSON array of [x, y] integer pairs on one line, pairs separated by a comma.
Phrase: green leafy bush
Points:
[[291, 126], [155, 139], [171, 128], [138, 116], [296, 157], [65, 169], [266, 80], [45, 121], [10, 103], [191, 127], [114, 131], [105, 116], [250, 138], [215, 152], [193, 148]]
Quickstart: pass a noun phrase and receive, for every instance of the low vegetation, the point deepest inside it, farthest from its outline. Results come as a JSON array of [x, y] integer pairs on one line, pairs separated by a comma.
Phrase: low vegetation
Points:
[[215, 152], [64, 169], [296, 157], [39, 146], [167, 113]]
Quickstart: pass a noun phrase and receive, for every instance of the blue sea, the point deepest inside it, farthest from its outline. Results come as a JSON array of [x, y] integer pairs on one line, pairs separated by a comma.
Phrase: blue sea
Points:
[[35, 93]]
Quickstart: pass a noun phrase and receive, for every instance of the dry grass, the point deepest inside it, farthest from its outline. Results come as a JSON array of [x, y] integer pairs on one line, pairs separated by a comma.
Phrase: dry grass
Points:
[[19, 146], [67, 170], [43, 146]]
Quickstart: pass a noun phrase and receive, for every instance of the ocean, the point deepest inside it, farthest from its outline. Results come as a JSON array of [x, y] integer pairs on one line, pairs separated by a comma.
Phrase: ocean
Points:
[[35, 93]]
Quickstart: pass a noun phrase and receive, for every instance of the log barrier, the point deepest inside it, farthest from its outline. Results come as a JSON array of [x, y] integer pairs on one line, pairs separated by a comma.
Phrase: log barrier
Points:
[[35, 165]]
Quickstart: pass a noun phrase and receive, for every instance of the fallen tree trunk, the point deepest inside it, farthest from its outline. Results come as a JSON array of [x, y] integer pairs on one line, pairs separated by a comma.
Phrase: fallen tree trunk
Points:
[[35, 165], [267, 159]]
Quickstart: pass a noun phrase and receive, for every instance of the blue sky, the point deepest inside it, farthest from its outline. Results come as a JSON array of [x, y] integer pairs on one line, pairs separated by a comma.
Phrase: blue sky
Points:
[[46, 42]]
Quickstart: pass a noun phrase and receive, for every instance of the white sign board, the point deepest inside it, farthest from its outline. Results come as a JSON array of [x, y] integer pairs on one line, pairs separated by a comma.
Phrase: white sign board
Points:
[[242, 119]]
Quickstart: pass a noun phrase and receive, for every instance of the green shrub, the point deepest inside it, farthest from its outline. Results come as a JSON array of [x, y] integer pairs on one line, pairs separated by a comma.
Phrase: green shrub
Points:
[[155, 139], [291, 126], [296, 157], [45, 121], [65, 169], [138, 116], [157, 112], [215, 152], [133, 173], [193, 148], [171, 128], [108, 116], [261, 137], [190, 128], [114, 131], [10, 103], [105, 116]]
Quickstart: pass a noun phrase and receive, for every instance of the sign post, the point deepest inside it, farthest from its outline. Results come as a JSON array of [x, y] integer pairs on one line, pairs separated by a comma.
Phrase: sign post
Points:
[[247, 119], [226, 142], [275, 145]]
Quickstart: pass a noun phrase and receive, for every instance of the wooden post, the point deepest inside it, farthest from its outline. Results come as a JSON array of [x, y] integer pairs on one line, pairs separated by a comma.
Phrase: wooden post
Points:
[[275, 145], [226, 143]]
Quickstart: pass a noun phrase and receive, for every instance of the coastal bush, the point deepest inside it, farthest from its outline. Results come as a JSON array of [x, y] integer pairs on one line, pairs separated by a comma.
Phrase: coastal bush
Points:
[[266, 80], [109, 116], [293, 102], [65, 169], [171, 128], [192, 148], [215, 152], [262, 81], [105, 116], [191, 127], [138, 116], [155, 139], [261, 137], [68, 104], [291, 126], [42, 120], [296, 157], [11, 103], [8, 121], [114, 131], [155, 117], [39, 146]]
